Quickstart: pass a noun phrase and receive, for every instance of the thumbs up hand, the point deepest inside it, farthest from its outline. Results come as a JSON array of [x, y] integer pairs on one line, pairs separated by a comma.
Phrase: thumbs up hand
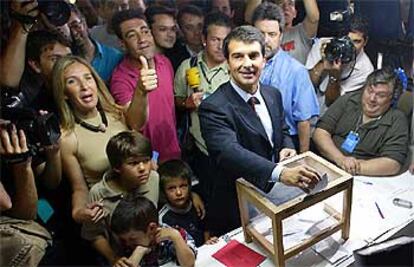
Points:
[[148, 80]]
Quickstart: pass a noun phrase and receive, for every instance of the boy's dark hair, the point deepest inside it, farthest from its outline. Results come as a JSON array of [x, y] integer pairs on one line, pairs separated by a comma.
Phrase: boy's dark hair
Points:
[[217, 19], [269, 11], [189, 9], [358, 24], [125, 15], [125, 145], [247, 34], [38, 40], [173, 169], [134, 212], [154, 10]]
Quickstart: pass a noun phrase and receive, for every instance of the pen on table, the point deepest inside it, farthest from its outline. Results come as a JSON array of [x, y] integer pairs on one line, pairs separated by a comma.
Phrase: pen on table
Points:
[[364, 182], [379, 210]]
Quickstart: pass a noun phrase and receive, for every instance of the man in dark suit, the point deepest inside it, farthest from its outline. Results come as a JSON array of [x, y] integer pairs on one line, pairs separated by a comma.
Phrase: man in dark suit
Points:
[[245, 132]]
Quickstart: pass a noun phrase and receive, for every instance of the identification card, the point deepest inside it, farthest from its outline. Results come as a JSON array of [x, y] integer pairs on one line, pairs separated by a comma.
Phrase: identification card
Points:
[[44, 210], [350, 142]]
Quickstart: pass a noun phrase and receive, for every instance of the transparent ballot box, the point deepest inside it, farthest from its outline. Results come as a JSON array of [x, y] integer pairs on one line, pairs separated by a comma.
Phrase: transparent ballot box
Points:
[[287, 220]]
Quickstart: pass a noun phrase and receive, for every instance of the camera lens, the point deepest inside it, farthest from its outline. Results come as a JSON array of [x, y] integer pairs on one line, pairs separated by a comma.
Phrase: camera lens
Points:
[[57, 12]]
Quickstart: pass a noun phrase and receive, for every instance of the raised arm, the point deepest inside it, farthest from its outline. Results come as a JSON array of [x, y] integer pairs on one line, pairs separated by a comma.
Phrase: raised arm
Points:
[[137, 109], [311, 21], [12, 59], [249, 10]]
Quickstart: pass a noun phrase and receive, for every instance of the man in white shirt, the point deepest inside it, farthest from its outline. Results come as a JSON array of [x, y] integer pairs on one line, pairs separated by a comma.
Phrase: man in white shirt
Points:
[[332, 79]]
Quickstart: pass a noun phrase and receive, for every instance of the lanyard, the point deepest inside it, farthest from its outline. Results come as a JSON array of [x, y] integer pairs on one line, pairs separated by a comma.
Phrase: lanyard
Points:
[[359, 122], [205, 75]]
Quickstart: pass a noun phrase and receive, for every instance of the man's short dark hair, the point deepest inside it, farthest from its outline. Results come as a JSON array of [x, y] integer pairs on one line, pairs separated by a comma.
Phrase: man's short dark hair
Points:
[[154, 10], [75, 9], [231, 2], [269, 11], [125, 145], [125, 15], [38, 40], [134, 212], [358, 24], [385, 76], [174, 169], [217, 19], [189, 9], [247, 34]]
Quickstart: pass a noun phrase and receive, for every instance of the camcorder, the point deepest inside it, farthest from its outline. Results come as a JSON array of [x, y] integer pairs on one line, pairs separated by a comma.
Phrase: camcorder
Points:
[[341, 49], [40, 130], [57, 12]]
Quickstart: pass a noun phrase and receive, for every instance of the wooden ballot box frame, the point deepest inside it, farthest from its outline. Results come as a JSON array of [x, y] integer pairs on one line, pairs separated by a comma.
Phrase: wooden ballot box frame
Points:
[[338, 181]]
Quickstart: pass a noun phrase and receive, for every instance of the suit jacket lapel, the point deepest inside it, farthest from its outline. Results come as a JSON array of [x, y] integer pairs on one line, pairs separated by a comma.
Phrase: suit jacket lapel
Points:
[[247, 114]]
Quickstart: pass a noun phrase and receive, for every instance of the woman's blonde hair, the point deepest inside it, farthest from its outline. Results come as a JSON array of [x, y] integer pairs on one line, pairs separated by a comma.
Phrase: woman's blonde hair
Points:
[[67, 119]]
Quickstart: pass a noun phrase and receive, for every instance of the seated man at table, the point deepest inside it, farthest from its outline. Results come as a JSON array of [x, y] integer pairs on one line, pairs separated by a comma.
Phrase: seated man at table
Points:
[[361, 133]]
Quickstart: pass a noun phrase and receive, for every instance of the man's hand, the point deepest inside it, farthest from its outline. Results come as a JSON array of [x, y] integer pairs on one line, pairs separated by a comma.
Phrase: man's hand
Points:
[[92, 213], [124, 262], [25, 8], [167, 233], [350, 165], [13, 143], [194, 100], [286, 153], [198, 205], [148, 80], [303, 177]]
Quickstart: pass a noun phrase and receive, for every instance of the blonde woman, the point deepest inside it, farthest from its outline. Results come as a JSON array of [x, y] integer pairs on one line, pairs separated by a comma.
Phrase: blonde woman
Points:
[[89, 118]]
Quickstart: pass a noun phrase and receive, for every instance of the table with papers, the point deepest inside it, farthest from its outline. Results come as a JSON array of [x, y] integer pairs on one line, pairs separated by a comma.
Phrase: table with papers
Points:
[[374, 218]]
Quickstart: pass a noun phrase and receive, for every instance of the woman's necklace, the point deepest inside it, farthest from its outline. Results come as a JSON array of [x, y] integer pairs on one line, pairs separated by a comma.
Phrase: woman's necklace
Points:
[[100, 128]]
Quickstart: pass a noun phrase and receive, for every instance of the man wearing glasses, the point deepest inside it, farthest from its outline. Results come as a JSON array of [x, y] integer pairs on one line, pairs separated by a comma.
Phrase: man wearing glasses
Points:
[[361, 133], [102, 58]]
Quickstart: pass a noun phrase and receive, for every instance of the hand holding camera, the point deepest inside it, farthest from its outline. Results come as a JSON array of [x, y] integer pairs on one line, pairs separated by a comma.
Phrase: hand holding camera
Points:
[[13, 145]]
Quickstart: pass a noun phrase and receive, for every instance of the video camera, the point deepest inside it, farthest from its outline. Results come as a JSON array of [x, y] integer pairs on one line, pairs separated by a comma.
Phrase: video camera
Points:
[[340, 48], [40, 130]]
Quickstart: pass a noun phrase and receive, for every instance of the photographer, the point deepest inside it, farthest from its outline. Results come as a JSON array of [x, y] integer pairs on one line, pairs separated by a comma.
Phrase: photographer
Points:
[[336, 77], [23, 240]]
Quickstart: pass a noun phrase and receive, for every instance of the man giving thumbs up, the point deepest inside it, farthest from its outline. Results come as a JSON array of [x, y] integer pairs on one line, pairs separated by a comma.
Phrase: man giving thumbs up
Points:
[[144, 72]]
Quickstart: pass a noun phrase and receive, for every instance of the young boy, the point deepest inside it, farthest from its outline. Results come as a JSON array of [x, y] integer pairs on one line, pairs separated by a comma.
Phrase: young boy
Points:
[[129, 154], [175, 184], [135, 223]]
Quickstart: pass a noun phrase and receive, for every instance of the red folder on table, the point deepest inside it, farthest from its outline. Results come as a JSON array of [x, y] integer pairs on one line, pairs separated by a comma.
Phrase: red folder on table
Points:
[[235, 254]]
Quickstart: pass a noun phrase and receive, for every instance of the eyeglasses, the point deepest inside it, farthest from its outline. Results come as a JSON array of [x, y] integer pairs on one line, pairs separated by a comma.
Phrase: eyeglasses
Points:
[[76, 24], [381, 95]]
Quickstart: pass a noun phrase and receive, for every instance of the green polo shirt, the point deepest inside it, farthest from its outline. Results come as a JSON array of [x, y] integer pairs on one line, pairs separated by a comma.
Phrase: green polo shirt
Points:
[[210, 80], [385, 137]]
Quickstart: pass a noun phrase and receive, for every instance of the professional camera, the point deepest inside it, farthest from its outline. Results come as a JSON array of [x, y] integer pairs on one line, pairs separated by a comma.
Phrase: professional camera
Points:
[[340, 48], [57, 12], [40, 130]]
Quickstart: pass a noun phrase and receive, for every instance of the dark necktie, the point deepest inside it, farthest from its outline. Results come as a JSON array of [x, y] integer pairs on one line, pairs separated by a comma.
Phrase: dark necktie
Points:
[[252, 102]]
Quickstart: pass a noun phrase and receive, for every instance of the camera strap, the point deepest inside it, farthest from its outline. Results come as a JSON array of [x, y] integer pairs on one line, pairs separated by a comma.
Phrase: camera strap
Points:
[[23, 19], [350, 73], [17, 158]]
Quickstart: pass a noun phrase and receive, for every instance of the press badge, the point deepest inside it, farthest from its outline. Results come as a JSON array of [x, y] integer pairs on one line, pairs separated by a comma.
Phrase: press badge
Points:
[[350, 142]]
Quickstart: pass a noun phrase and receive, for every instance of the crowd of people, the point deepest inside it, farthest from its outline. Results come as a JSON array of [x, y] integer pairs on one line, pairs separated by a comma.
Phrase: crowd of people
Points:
[[126, 123]]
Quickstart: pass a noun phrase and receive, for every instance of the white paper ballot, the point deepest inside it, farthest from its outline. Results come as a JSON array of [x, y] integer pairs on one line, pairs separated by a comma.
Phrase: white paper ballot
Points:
[[320, 185]]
